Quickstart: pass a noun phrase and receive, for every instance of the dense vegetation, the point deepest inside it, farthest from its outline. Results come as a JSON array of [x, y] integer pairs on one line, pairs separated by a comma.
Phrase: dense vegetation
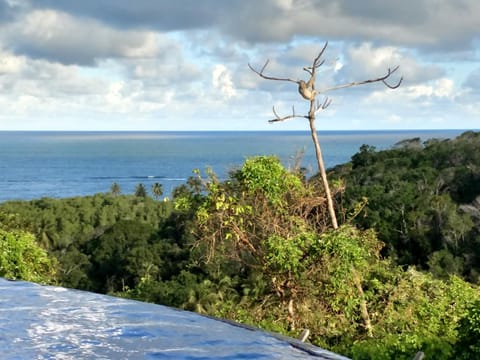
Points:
[[400, 274], [423, 200]]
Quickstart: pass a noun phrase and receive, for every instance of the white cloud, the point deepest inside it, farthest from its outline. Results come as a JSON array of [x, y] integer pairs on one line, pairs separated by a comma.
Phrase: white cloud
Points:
[[60, 37], [439, 25], [425, 94], [337, 67], [394, 119], [222, 82], [365, 61], [84, 64], [285, 5], [10, 64]]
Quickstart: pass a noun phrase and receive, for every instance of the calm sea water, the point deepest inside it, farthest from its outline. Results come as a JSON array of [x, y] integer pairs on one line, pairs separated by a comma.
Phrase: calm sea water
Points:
[[64, 164]]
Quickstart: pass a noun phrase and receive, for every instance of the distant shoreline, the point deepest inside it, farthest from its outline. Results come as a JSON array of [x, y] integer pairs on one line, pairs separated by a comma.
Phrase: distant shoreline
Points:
[[59, 164]]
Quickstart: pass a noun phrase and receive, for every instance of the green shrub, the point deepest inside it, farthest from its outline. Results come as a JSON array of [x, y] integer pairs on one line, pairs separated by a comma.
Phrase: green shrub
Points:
[[468, 344], [21, 258]]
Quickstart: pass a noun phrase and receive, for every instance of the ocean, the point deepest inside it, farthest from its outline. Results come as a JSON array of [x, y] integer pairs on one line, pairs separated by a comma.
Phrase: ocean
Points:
[[67, 164]]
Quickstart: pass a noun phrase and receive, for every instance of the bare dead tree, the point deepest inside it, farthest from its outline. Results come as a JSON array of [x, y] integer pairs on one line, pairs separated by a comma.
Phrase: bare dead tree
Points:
[[308, 91]]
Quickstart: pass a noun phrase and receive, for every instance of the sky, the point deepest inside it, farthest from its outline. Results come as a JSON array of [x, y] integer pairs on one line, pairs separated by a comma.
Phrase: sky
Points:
[[183, 65]]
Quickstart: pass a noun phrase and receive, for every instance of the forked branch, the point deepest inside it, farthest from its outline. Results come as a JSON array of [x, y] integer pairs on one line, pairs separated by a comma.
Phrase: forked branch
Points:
[[319, 106], [261, 73], [316, 63], [322, 106], [279, 118], [306, 89], [382, 79]]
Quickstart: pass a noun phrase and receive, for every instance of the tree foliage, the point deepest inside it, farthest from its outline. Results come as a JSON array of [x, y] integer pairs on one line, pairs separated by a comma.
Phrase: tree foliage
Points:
[[22, 259], [291, 271], [468, 346], [140, 191], [421, 201], [115, 189], [157, 190], [66, 227]]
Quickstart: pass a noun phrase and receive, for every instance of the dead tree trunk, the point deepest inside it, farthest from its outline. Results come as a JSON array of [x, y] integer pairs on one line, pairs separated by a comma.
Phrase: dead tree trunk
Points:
[[308, 92], [323, 172]]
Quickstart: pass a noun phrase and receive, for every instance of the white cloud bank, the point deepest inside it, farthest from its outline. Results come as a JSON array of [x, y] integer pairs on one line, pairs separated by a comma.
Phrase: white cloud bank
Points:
[[158, 65]]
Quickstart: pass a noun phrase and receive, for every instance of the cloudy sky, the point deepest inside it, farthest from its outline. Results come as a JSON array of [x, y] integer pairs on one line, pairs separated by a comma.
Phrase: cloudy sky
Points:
[[182, 65]]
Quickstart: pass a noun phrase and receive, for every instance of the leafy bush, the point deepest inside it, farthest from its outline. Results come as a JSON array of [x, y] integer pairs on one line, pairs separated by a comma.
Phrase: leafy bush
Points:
[[468, 343], [21, 258]]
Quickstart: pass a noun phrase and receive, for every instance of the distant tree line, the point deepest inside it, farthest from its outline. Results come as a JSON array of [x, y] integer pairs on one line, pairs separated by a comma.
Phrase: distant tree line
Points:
[[140, 190]]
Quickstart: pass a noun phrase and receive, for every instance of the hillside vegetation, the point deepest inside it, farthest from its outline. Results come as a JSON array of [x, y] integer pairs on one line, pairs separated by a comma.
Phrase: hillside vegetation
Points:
[[423, 200], [398, 276]]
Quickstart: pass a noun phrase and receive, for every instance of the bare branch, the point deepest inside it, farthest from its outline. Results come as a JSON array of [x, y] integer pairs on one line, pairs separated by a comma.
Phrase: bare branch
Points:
[[322, 106], [309, 68], [380, 79], [261, 74], [306, 89], [279, 118], [316, 62], [263, 67]]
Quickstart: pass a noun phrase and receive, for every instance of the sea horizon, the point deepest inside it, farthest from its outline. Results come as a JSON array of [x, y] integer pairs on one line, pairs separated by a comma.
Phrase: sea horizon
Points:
[[59, 164], [238, 131]]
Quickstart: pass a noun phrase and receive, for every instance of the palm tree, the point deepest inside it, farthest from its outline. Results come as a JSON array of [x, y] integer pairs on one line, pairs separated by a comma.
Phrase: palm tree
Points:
[[157, 190], [115, 189], [140, 191]]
